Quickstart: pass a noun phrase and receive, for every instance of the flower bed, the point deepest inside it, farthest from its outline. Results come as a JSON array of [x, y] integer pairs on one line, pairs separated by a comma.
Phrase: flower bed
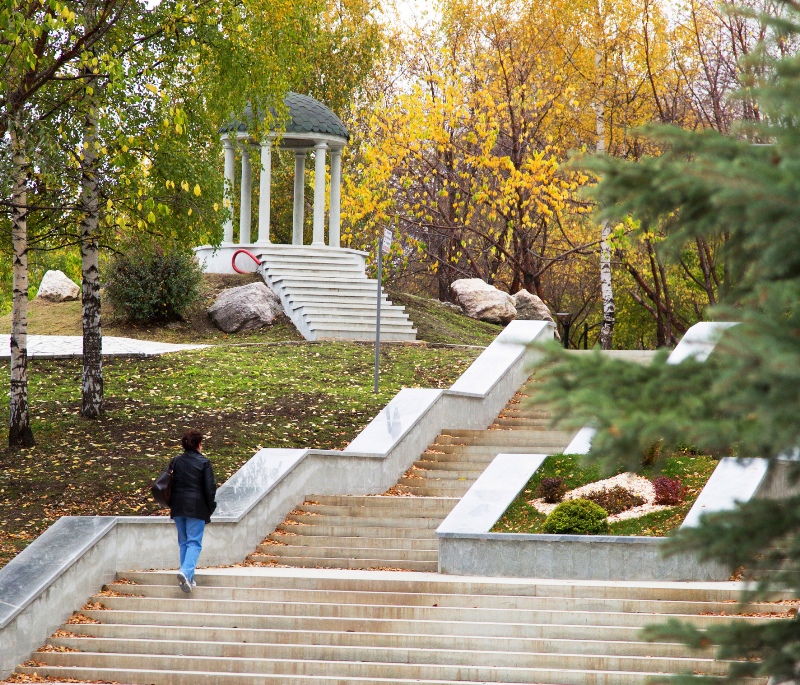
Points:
[[527, 513]]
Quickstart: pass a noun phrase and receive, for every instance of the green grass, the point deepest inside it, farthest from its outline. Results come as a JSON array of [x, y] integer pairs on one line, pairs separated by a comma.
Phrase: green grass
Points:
[[694, 471], [437, 322], [242, 398]]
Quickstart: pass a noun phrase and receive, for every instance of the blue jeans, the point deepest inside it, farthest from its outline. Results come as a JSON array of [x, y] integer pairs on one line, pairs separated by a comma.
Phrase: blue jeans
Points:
[[190, 542]]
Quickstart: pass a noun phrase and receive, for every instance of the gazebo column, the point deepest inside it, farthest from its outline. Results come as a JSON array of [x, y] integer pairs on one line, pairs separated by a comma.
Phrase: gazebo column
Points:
[[265, 188], [336, 193], [299, 187], [319, 193], [230, 180], [245, 206]]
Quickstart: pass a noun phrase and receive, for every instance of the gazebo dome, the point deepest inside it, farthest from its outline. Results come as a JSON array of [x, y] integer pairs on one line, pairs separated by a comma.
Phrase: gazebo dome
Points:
[[306, 115]]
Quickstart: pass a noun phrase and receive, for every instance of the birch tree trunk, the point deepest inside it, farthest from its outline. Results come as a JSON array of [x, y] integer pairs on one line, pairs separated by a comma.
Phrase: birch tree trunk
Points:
[[92, 377], [606, 289], [20, 433]]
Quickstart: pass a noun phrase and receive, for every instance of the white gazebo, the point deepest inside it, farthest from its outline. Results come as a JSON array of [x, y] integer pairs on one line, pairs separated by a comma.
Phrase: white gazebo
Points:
[[310, 126]]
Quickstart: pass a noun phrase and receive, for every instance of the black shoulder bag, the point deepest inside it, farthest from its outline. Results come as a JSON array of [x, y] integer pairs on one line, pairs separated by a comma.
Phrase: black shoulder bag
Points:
[[162, 488]]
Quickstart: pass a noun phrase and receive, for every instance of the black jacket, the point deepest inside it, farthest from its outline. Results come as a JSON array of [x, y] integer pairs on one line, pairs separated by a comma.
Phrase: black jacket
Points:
[[193, 487]]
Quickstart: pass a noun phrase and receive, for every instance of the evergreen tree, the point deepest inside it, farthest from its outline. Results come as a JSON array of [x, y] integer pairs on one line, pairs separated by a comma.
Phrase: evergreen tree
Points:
[[745, 399]]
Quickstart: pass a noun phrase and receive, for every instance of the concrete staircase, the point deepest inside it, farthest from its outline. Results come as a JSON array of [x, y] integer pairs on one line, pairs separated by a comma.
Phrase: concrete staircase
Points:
[[327, 295], [398, 530], [252, 626], [281, 624]]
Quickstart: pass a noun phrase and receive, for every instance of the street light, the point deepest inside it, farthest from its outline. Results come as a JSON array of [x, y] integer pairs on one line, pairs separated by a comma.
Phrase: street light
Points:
[[566, 321]]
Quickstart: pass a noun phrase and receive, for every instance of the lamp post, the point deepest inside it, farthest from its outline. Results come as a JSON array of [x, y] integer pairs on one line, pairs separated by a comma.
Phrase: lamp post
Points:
[[565, 318]]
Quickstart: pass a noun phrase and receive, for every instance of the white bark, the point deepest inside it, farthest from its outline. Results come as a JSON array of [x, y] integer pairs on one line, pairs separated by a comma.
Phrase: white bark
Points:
[[20, 433], [92, 377], [606, 289]]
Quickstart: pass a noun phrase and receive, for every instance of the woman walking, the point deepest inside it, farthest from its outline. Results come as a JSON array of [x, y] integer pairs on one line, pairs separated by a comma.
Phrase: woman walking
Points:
[[191, 503]]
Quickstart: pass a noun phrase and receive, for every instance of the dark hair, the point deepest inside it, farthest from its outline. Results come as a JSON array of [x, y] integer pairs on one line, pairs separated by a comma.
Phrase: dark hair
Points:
[[191, 440]]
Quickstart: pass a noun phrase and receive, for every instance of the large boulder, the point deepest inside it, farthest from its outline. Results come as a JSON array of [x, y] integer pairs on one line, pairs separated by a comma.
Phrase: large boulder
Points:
[[531, 307], [56, 286], [245, 308], [482, 301]]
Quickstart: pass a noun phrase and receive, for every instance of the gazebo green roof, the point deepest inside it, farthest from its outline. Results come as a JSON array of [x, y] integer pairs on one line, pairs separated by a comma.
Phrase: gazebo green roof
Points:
[[306, 115]]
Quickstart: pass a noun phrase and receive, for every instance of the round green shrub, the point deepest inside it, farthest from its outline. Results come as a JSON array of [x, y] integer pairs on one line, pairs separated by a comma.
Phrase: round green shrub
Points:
[[577, 517], [153, 286]]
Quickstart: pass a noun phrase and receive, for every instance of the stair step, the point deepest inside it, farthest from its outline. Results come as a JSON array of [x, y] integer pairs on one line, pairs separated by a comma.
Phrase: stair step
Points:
[[401, 508], [491, 615], [697, 592], [538, 447], [369, 521], [349, 563], [349, 552], [391, 655], [430, 543], [457, 465], [224, 666], [421, 504], [445, 600], [449, 474], [359, 531], [388, 640]]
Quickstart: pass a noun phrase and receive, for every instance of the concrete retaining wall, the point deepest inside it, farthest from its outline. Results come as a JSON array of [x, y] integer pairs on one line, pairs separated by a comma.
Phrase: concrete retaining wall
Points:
[[45, 583]]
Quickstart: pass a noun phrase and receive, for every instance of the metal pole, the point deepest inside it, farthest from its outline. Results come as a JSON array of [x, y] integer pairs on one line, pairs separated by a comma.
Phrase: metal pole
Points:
[[378, 314]]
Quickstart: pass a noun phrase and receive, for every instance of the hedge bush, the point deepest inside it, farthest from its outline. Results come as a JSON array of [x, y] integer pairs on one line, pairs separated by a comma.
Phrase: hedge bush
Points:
[[669, 491], [552, 490], [155, 286], [616, 500], [578, 517]]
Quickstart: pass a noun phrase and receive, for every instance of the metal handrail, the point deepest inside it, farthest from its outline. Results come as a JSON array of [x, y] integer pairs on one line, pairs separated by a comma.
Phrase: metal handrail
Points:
[[249, 254]]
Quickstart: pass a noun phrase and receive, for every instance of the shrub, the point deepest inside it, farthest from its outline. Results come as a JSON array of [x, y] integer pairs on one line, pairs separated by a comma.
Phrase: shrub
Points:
[[577, 516], [153, 286], [668, 490], [552, 490], [615, 500]]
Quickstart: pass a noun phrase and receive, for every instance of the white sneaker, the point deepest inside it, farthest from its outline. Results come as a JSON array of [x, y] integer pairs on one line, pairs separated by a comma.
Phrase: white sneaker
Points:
[[194, 585], [184, 582]]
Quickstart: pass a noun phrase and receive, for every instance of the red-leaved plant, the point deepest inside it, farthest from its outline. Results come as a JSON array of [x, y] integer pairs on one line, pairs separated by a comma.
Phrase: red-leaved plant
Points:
[[668, 490]]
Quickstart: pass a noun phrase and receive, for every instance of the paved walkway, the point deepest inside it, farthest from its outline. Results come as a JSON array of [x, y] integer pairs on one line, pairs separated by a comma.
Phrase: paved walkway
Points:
[[72, 346]]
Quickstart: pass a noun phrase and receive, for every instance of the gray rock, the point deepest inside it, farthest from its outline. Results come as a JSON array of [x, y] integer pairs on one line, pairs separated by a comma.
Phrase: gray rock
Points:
[[56, 286], [531, 308], [482, 301], [245, 308]]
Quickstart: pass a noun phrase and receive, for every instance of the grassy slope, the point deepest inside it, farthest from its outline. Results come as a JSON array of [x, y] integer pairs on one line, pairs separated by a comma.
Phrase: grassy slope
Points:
[[694, 471], [437, 322]]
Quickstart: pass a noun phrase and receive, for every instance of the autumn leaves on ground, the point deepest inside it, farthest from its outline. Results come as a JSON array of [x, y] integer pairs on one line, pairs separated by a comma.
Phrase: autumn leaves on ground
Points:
[[242, 397]]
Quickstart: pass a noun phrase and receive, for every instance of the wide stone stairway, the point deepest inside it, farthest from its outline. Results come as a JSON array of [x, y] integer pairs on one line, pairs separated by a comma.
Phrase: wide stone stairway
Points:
[[246, 626], [398, 530], [327, 294], [336, 623]]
